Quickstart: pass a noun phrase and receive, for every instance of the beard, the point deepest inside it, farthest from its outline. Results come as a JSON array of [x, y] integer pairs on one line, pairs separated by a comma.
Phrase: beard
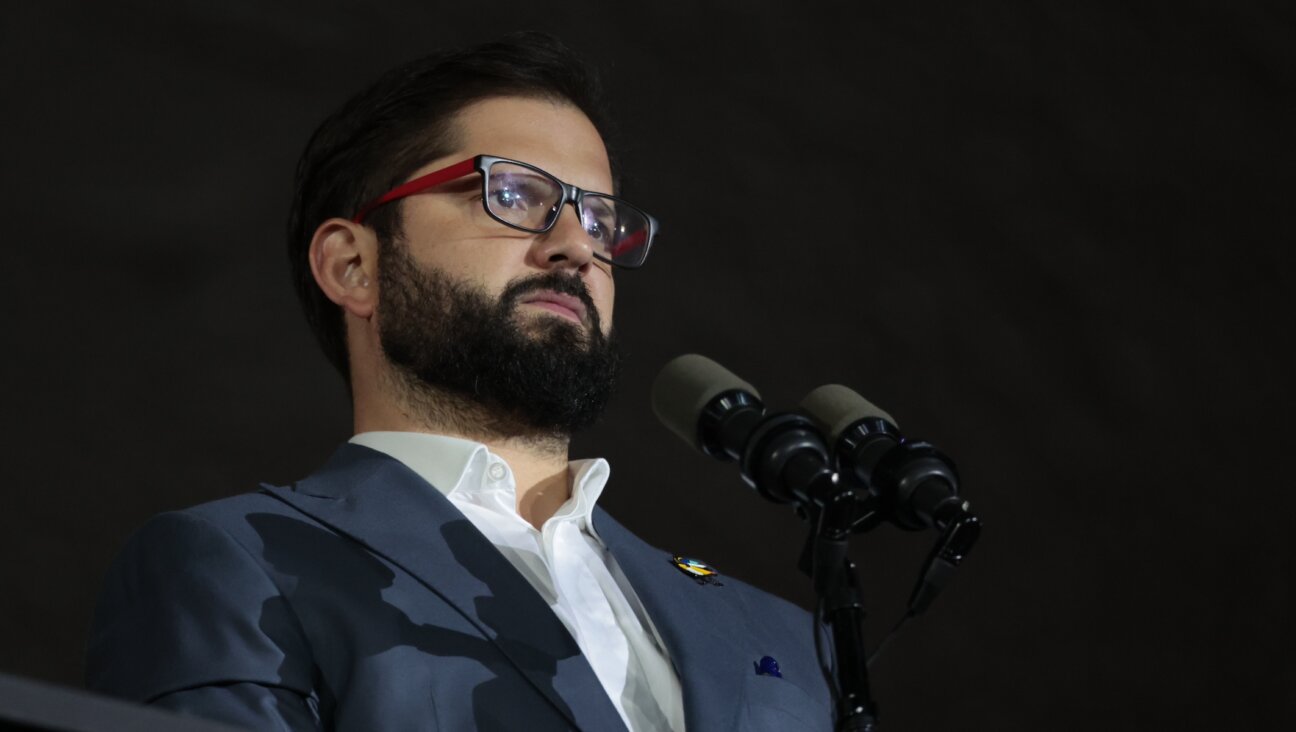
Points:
[[473, 364]]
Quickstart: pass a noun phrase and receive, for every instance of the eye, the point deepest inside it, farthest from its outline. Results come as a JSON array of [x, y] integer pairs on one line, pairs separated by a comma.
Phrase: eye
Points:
[[518, 192], [595, 229], [599, 221], [505, 195]]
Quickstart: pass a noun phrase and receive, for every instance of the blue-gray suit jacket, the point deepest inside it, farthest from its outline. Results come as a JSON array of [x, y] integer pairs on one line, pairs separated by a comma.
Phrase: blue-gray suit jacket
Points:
[[361, 599]]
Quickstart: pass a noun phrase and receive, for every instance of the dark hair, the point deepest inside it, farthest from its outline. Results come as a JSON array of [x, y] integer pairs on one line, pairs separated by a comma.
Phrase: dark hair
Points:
[[382, 135]]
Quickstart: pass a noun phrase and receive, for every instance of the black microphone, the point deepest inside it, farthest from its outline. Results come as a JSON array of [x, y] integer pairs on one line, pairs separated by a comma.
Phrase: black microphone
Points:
[[782, 456], [706, 405], [916, 484]]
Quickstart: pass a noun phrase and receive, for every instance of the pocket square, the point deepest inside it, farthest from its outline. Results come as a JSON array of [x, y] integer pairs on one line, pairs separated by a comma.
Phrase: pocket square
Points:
[[767, 666]]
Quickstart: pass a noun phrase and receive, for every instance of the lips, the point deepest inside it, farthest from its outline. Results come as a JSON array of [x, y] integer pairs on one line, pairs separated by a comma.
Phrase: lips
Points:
[[567, 306]]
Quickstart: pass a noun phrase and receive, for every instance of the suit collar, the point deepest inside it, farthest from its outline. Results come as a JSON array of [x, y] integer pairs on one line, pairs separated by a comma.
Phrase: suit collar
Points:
[[386, 507]]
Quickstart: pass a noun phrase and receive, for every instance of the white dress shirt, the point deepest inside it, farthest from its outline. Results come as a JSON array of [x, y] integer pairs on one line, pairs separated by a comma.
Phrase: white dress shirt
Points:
[[566, 563]]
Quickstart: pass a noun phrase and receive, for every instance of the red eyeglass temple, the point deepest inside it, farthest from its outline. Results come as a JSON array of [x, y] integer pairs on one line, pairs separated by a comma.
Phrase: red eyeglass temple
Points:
[[421, 183]]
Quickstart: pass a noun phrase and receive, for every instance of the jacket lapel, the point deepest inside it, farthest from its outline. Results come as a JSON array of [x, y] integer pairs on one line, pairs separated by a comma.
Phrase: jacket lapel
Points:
[[696, 622], [386, 507]]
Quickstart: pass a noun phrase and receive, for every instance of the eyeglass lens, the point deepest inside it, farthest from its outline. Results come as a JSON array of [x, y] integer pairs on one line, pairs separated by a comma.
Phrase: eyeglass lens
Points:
[[529, 199]]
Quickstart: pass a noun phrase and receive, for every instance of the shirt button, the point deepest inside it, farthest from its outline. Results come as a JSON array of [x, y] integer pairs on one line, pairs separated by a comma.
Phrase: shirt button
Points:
[[496, 471]]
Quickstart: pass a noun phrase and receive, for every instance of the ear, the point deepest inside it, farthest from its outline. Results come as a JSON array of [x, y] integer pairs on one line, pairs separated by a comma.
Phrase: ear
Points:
[[344, 260]]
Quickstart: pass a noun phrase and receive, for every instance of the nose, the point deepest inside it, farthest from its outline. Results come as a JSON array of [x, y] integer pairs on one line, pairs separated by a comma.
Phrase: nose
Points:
[[566, 245]]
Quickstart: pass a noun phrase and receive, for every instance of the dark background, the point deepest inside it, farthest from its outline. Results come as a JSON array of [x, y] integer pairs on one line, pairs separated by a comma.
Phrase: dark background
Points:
[[1055, 239]]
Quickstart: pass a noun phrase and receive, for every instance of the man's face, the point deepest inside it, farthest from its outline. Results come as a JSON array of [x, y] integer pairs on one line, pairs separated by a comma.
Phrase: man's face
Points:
[[517, 322], [448, 230]]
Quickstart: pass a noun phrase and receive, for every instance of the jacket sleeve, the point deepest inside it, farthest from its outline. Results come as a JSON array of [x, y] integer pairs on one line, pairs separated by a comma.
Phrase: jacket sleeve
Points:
[[189, 620]]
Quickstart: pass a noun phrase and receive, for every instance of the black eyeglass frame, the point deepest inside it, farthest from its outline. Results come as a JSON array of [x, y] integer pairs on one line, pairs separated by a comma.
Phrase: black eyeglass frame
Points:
[[481, 164]]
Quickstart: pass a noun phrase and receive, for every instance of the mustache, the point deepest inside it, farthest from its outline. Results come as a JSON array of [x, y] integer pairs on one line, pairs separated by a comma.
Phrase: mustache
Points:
[[555, 282]]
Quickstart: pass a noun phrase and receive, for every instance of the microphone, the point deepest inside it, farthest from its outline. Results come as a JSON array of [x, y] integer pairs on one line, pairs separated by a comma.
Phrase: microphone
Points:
[[706, 405], [914, 482], [782, 456]]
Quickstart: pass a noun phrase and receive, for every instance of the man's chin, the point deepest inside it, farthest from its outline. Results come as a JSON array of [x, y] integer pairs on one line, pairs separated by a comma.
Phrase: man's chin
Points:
[[543, 324]]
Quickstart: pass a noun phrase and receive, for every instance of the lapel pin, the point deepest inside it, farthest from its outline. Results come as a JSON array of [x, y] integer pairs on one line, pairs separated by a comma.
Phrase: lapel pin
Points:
[[701, 572], [767, 666]]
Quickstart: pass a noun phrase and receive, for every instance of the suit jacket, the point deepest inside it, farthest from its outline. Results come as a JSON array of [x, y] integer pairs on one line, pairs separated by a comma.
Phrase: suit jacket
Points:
[[361, 599]]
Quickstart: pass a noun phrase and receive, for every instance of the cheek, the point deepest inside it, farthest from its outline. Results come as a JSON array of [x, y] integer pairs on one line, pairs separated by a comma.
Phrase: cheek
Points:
[[443, 234], [473, 261], [603, 290]]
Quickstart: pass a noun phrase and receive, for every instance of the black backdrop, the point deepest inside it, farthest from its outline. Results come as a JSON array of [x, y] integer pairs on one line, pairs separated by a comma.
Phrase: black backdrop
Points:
[[1053, 238]]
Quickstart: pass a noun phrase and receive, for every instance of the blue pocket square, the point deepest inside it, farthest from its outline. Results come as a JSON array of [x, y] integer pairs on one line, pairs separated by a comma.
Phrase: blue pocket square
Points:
[[767, 666]]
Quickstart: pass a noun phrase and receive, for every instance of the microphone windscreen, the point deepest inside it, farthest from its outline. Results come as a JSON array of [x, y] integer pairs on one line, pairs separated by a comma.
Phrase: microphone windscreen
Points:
[[683, 389], [834, 407]]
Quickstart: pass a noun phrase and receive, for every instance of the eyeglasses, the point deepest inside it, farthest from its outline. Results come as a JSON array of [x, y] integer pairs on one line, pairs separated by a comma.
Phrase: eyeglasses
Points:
[[526, 198]]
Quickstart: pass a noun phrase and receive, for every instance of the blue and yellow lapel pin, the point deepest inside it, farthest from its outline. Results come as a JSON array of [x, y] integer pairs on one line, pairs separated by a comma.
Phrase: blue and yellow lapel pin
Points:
[[701, 572]]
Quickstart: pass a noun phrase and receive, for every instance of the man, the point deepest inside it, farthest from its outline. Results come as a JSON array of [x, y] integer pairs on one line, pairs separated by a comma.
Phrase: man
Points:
[[454, 245]]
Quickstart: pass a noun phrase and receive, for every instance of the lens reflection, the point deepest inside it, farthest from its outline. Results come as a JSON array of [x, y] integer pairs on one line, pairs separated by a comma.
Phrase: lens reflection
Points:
[[521, 196]]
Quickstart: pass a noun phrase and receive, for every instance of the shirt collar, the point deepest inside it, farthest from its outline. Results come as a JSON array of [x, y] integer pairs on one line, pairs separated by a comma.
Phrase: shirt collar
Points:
[[452, 465]]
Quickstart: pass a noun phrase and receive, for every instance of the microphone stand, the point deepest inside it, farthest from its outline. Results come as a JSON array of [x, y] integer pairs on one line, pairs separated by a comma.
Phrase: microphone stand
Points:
[[836, 585]]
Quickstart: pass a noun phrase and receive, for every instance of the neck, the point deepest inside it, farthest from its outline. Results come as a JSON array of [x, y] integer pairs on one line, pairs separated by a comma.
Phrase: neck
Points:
[[538, 460]]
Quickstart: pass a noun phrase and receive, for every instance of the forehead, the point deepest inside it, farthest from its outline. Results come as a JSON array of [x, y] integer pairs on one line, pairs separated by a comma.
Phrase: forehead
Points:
[[552, 135]]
